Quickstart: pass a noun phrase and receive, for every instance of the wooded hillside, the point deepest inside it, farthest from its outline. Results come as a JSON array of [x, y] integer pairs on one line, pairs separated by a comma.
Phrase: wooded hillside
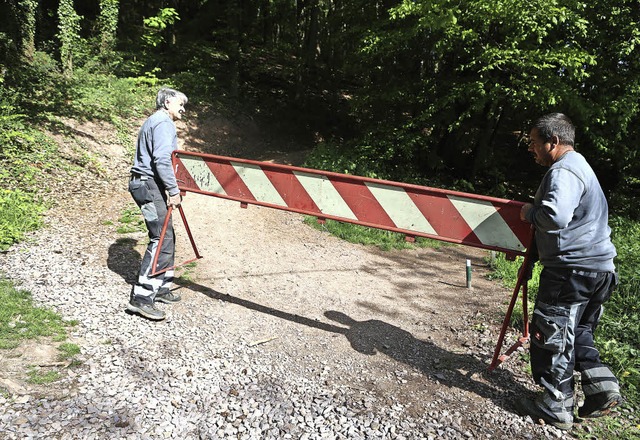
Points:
[[436, 92]]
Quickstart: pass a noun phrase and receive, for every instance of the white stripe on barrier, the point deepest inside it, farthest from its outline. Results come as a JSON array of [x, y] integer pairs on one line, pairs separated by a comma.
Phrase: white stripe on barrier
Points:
[[399, 206], [202, 175], [486, 223], [324, 194], [260, 186]]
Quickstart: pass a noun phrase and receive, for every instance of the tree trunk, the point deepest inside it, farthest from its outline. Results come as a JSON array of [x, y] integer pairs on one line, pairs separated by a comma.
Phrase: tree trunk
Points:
[[69, 31], [25, 14], [108, 22]]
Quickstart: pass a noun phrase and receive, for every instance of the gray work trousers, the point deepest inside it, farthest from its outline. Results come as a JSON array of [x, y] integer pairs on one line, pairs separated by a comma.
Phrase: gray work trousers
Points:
[[152, 201], [566, 313]]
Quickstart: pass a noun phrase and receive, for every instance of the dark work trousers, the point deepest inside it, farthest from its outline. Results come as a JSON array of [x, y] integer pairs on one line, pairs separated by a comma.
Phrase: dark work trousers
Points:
[[566, 313], [151, 198]]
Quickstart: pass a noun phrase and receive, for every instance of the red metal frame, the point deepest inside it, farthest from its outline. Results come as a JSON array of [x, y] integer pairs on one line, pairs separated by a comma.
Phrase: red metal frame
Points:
[[154, 265], [189, 185]]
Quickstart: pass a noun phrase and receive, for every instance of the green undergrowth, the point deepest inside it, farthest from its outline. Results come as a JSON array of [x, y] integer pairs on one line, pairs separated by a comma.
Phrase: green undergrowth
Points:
[[384, 240], [20, 213]]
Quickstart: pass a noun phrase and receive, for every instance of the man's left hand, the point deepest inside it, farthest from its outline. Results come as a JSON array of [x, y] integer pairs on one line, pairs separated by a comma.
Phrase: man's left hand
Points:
[[174, 201], [523, 212]]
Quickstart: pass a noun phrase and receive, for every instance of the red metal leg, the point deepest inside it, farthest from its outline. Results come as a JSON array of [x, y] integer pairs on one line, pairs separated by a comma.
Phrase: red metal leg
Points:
[[497, 358], [162, 234]]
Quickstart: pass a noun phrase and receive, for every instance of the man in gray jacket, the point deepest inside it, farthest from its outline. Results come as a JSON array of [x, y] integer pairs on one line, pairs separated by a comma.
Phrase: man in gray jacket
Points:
[[570, 216], [154, 188]]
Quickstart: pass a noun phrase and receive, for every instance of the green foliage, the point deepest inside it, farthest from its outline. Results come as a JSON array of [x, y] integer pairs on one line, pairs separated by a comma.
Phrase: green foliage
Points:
[[20, 319], [108, 24], [25, 13], [19, 213], [507, 271], [131, 220], [40, 376], [68, 350], [384, 240], [155, 26], [109, 98]]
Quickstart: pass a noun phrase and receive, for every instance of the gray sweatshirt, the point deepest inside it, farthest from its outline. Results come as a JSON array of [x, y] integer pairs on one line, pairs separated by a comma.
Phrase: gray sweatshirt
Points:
[[570, 215], [157, 139]]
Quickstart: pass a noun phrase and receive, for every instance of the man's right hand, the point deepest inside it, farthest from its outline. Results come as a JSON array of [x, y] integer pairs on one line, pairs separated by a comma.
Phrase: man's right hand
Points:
[[174, 201], [524, 210]]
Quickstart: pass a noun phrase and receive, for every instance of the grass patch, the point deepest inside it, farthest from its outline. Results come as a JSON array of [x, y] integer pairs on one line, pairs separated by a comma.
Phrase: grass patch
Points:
[[38, 376], [384, 240], [21, 320], [20, 213], [188, 270], [68, 351], [131, 220]]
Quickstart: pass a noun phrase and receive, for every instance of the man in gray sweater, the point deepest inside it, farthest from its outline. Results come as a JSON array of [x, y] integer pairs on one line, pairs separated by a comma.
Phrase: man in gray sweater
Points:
[[154, 188], [570, 216]]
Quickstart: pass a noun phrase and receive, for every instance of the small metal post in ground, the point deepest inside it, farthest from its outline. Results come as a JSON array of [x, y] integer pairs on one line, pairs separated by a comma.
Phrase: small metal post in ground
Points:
[[468, 274]]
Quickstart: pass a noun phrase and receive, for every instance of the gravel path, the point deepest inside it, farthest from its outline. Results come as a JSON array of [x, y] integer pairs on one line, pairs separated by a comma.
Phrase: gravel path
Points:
[[283, 332]]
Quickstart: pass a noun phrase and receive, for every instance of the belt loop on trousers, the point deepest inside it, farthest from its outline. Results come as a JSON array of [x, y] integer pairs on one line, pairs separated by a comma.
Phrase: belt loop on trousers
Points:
[[136, 176]]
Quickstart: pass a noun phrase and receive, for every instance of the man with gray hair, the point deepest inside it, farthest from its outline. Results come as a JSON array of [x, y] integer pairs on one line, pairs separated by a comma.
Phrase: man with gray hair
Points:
[[570, 216], [154, 188]]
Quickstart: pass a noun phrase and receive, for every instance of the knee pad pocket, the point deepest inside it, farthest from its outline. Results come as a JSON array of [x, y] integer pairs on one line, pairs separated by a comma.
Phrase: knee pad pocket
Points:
[[549, 327]]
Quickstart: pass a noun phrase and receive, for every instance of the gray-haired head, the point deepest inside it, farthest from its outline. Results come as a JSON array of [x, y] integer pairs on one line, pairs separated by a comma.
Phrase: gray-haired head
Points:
[[556, 124], [167, 93]]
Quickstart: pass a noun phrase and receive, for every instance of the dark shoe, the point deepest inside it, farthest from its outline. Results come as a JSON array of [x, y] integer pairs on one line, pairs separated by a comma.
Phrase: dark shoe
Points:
[[538, 410], [600, 404], [167, 296], [148, 310]]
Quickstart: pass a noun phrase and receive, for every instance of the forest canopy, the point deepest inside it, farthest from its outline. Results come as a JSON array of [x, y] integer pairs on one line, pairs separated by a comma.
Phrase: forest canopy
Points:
[[432, 92]]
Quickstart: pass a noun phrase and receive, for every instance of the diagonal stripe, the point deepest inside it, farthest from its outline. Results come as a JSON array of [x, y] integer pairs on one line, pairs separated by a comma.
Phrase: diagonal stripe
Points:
[[202, 175], [444, 217], [258, 183], [487, 223], [363, 204], [233, 185], [324, 195], [397, 203], [291, 190]]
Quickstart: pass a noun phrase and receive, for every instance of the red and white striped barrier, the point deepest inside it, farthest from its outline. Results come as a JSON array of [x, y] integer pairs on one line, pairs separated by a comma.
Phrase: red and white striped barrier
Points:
[[452, 216]]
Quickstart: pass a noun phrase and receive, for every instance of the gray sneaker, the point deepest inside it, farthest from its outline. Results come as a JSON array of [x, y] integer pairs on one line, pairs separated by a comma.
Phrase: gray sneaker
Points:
[[600, 404], [148, 310], [166, 296], [539, 409]]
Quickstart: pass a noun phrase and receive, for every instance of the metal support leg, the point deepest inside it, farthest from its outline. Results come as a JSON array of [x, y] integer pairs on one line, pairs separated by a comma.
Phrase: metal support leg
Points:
[[497, 357], [154, 265]]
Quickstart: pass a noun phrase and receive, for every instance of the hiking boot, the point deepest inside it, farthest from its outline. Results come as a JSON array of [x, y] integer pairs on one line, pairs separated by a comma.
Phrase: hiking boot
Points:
[[546, 409], [166, 296], [598, 405], [148, 310]]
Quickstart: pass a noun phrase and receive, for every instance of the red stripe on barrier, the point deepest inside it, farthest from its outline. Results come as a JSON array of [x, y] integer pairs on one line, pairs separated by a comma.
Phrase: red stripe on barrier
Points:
[[291, 191], [362, 203], [510, 212], [444, 217], [230, 180]]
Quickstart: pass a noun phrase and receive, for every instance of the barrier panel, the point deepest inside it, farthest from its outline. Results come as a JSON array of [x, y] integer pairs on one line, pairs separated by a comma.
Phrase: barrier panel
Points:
[[416, 211]]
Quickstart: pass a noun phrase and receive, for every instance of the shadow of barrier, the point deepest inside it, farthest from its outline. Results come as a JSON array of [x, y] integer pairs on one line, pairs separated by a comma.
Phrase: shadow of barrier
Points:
[[415, 211]]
